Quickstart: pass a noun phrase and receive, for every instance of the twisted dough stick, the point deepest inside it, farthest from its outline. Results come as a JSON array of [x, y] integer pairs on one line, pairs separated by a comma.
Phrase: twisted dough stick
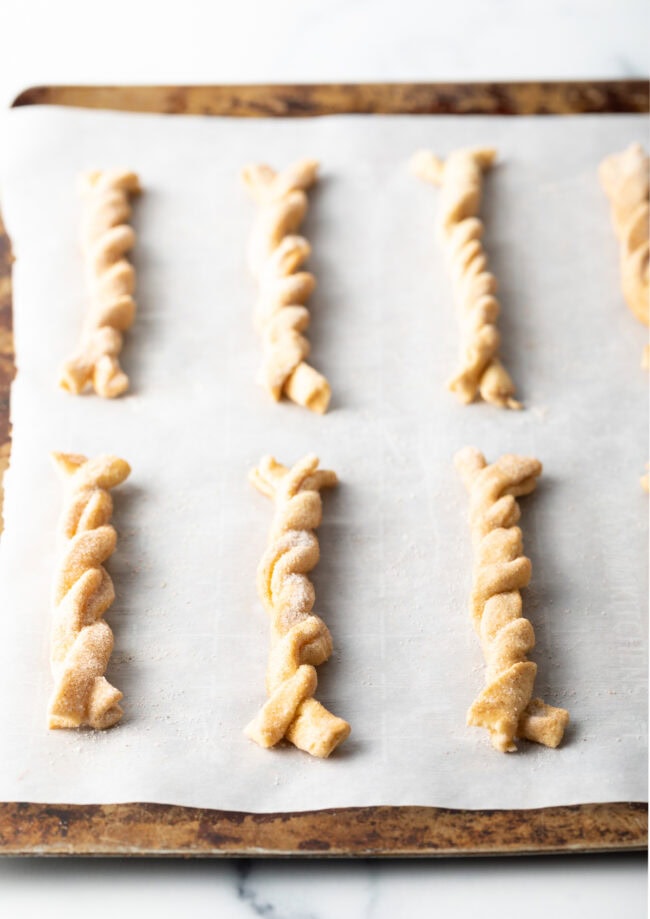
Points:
[[461, 177], [300, 640], [106, 239], [82, 641], [505, 706], [275, 255], [625, 179]]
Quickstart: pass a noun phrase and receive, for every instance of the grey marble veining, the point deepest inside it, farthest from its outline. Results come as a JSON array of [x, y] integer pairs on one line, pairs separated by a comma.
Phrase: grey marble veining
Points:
[[322, 889]]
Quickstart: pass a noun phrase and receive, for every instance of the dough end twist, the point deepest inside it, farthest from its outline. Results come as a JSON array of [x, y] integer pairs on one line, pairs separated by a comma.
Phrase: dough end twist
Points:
[[505, 707], [300, 640], [106, 241], [460, 177], [82, 641]]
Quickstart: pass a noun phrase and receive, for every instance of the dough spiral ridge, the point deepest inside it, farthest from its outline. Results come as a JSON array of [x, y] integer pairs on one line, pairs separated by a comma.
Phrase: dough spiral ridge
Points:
[[106, 238], [505, 706], [275, 255], [82, 641], [300, 640], [474, 287]]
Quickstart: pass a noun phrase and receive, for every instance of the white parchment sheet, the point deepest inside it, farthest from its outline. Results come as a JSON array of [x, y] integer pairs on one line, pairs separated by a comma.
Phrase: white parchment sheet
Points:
[[395, 572]]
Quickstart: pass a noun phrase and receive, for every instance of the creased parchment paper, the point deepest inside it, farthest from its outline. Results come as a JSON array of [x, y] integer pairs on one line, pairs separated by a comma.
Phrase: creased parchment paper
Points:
[[395, 572]]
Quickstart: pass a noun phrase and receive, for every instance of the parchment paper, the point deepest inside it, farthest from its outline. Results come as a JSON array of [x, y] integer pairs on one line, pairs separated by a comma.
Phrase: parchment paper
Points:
[[395, 572]]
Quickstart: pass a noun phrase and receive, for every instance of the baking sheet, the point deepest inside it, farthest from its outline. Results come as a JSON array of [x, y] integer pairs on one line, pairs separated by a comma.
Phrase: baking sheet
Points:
[[191, 637]]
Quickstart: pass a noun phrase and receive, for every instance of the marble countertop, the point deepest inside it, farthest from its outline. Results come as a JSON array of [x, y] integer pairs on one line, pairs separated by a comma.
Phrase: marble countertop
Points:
[[75, 41], [72, 41], [601, 887]]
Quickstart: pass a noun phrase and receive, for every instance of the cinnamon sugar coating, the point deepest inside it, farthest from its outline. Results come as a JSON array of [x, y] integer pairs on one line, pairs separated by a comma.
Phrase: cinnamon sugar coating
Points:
[[505, 707], [82, 641], [460, 176], [276, 255], [300, 640], [106, 240]]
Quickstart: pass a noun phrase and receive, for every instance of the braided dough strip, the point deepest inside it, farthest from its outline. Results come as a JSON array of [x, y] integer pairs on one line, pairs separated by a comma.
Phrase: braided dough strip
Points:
[[505, 707], [275, 256], [82, 641], [474, 287], [300, 641], [106, 239], [625, 178]]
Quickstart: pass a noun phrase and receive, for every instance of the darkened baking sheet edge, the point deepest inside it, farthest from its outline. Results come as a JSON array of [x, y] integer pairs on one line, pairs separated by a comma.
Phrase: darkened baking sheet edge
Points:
[[158, 829], [260, 101]]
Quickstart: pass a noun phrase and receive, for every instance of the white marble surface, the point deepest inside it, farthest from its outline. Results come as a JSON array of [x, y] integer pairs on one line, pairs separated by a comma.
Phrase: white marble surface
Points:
[[256, 41], [601, 887], [252, 40]]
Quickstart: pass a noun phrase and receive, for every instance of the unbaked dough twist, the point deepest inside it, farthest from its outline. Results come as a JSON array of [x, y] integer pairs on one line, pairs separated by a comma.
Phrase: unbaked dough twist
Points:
[[275, 256], [82, 641], [300, 641], [106, 239], [505, 707], [474, 287], [625, 178]]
